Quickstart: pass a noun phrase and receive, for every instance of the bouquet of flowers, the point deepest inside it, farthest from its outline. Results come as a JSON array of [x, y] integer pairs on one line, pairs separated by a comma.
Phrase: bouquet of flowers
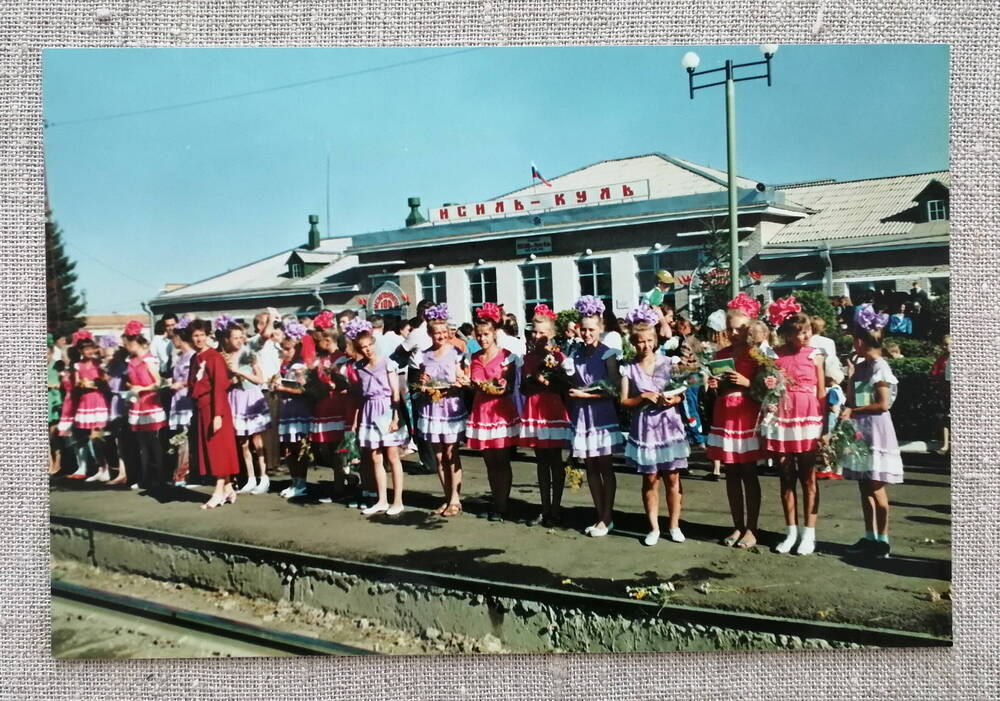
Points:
[[177, 441], [768, 384], [602, 387], [435, 389], [495, 387], [844, 445], [315, 388], [574, 477], [348, 447]]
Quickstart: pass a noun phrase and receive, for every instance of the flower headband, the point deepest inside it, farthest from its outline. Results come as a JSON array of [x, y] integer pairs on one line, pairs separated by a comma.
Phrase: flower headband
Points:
[[133, 328], [82, 335], [355, 327], [223, 322], [781, 309], [295, 330], [439, 312], [745, 303], [324, 320], [866, 318], [642, 314], [589, 305], [108, 340], [490, 311], [543, 311], [184, 322]]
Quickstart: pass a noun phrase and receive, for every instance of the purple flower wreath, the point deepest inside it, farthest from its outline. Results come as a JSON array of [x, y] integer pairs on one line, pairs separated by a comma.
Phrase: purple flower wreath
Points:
[[295, 330], [642, 314], [866, 318], [355, 327], [588, 305], [437, 312]]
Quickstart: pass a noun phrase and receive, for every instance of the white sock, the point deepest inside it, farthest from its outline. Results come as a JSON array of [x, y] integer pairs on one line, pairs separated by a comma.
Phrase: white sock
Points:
[[676, 535], [808, 543], [791, 534], [808, 533]]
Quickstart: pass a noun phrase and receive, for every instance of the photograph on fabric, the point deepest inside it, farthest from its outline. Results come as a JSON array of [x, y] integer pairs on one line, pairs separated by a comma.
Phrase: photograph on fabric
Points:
[[498, 350]]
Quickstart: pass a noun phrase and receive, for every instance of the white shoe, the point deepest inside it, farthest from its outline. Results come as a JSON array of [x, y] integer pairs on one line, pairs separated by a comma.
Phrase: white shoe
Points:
[[394, 511], [296, 492], [180, 483], [262, 487], [99, 476], [651, 538], [134, 486], [249, 486], [806, 546], [375, 509], [676, 535], [285, 492], [601, 532]]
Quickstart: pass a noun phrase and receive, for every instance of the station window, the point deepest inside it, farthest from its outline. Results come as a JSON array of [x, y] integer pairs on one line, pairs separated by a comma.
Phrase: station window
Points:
[[537, 287], [432, 287], [595, 278], [296, 269], [648, 264], [937, 210], [482, 287]]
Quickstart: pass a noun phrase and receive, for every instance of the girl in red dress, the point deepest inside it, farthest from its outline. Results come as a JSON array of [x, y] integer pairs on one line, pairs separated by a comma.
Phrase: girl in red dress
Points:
[[733, 437], [545, 422], [89, 407], [328, 424], [493, 424], [793, 434], [213, 448], [146, 416]]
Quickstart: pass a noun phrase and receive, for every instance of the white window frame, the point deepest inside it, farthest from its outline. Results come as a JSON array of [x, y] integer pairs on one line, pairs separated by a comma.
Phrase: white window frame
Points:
[[438, 290], [482, 284], [297, 269], [594, 275], [939, 210], [530, 301]]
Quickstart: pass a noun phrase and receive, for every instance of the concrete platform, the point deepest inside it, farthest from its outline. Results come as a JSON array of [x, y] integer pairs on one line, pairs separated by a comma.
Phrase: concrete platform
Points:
[[902, 593]]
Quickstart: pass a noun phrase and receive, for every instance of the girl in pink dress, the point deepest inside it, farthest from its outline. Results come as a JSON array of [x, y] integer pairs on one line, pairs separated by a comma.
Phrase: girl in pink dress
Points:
[[545, 422], [146, 416], [733, 439], [493, 424], [89, 408], [792, 434]]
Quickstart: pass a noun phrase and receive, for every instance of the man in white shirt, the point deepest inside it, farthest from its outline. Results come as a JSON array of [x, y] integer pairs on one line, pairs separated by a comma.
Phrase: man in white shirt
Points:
[[831, 365], [161, 344], [387, 343]]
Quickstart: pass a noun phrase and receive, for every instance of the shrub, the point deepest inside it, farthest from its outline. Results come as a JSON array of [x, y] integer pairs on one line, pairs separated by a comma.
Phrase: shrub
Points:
[[564, 318], [919, 409], [914, 348], [938, 318], [816, 303]]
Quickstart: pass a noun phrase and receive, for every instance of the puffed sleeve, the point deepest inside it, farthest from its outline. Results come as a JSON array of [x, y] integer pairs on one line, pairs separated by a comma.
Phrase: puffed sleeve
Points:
[[612, 353], [883, 373]]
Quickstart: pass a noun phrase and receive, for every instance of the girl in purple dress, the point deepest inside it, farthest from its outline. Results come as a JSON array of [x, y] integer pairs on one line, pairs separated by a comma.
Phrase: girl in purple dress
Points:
[[657, 443], [871, 389], [596, 433], [441, 413], [379, 429]]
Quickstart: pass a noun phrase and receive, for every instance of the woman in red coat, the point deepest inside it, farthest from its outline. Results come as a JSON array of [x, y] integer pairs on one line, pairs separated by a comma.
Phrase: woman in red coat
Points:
[[214, 447]]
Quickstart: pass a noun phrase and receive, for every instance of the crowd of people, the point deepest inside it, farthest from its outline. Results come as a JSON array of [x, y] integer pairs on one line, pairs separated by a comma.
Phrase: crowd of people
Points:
[[221, 402]]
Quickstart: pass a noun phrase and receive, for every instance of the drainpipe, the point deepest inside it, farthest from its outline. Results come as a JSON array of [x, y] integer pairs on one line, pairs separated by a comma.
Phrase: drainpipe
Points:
[[319, 299], [149, 313], [828, 271]]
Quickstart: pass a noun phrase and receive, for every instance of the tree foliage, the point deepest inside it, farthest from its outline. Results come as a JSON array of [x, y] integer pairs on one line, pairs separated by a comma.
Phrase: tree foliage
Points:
[[64, 305], [816, 303]]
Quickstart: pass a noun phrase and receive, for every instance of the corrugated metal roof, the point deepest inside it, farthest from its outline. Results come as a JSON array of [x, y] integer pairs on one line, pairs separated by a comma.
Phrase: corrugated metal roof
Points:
[[668, 176], [859, 209], [271, 273]]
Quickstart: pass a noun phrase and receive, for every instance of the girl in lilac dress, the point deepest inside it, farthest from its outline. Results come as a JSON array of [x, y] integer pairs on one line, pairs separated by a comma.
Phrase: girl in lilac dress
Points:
[[181, 406], [596, 433], [441, 413], [871, 389], [657, 444], [378, 426]]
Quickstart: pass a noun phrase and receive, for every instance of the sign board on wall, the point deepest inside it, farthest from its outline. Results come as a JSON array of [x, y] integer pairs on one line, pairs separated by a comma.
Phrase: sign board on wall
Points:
[[389, 296], [541, 201], [534, 244]]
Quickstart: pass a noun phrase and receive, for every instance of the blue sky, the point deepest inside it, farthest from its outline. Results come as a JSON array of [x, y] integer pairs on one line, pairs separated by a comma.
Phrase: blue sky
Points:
[[177, 195]]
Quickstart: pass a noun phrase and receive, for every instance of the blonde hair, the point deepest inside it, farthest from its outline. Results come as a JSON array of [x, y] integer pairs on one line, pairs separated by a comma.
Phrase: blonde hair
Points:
[[544, 322], [758, 331]]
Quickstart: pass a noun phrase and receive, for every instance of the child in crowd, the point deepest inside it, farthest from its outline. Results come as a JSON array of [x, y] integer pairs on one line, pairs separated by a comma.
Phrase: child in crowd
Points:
[[656, 446], [146, 416], [89, 407], [545, 423], [596, 432], [119, 445], [381, 433], [733, 438], [492, 427], [871, 389], [295, 416], [181, 406], [792, 433], [251, 415], [441, 413], [328, 419]]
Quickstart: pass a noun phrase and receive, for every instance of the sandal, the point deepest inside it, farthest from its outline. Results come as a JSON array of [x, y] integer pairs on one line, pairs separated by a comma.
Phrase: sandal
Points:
[[730, 541], [744, 545], [440, 511], [215, 501], [452, 510]]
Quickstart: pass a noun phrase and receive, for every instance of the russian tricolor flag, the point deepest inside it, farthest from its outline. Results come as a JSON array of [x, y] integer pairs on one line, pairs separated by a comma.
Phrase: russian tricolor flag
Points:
[[536, 174]]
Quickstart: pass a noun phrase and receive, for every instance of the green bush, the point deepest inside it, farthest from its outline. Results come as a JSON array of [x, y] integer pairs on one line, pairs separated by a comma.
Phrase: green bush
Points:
[[816, 303], [845, 343], [564, 318], [914, 348], [919, 409], [938, 318]]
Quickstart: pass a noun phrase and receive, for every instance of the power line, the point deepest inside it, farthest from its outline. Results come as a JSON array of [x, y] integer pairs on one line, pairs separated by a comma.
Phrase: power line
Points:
[[113, 269], [261, 91]]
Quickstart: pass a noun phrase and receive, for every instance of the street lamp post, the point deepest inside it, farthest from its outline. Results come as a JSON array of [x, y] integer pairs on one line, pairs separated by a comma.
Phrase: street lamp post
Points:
[[690, 62]]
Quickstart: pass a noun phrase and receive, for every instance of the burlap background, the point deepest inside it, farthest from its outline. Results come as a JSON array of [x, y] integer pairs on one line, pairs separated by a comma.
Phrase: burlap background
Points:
[[970, 670]]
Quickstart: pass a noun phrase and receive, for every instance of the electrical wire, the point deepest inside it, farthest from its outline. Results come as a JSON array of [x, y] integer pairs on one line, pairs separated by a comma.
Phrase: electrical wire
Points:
[[249, 93]]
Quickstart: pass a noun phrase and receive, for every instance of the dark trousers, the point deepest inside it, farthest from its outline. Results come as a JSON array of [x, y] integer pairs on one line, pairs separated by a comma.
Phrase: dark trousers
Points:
[[150, 459]]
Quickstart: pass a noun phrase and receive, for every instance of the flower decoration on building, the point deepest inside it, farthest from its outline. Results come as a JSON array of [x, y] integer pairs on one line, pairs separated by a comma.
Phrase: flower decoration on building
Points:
[[184, 322], [133, 328], [82, 335], [781, 309], [406, 298], [108, 340], [357, 326], [543, 311], [363, 301], [295, 330], [439, 312], [324, 320], [223, 322], [746, 304], [868, 319], [491, 311], [754, 276], [683, 280], [643, 314], [588, 305]]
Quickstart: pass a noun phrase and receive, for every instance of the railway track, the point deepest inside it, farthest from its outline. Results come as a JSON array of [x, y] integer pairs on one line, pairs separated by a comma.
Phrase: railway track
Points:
[[209, 628]]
